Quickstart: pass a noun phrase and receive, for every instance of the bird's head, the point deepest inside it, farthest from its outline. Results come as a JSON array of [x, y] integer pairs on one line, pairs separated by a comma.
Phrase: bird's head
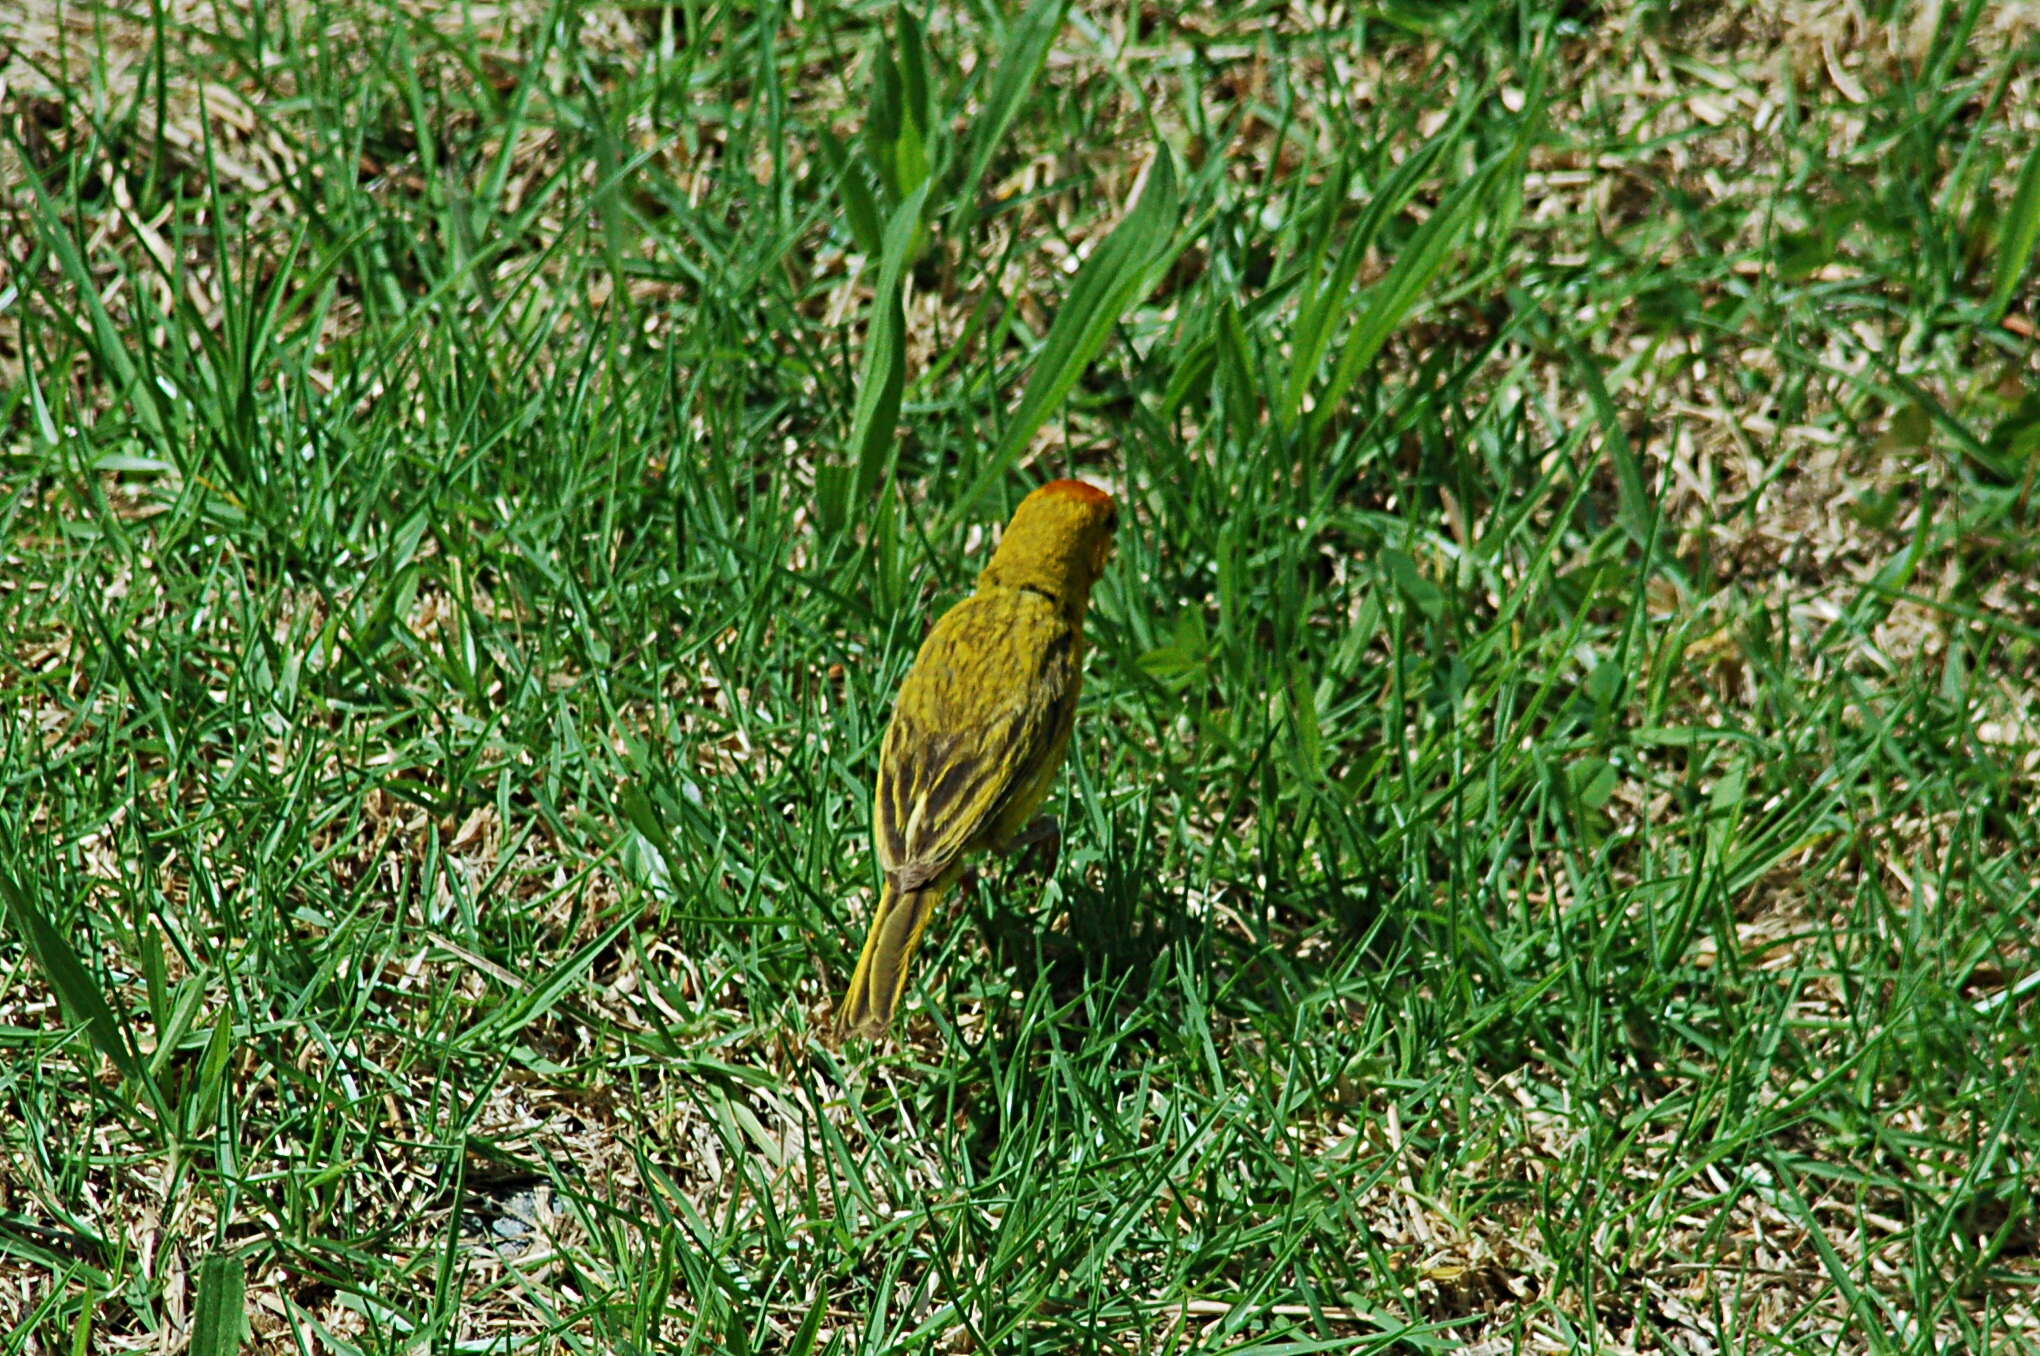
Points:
[[1057, 543]]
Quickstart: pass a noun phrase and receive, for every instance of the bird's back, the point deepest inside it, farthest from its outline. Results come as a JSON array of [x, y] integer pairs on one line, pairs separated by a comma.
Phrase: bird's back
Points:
[[987, 704]]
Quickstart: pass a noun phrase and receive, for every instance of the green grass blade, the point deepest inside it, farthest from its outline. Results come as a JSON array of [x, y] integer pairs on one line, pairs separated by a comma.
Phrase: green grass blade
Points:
[[219, 1326], [1325, 301], [81, 998], [511, 1018], [860, 209], [915, 97], [2018, 234], [895, 128], [882, 378], [1873, 1320], [1390, 300], [1633, 498], [1028, 43], [102, 335], [1116, 276]]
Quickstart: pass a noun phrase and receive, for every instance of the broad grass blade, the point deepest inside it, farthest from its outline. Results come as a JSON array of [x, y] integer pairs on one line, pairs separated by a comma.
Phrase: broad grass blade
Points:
[[1322, 304], [2018, 233], [1027, 49], [1390, 301], [860, 209], [67, 975], [220, 1324], [1111, 280], [875, 418]]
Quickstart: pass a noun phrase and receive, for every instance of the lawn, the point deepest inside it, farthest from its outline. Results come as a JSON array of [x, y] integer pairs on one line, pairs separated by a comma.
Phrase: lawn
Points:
[[1548, 861]]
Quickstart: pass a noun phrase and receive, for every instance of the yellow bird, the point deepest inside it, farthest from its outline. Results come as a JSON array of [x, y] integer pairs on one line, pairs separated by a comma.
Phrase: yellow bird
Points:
[[980, 727]]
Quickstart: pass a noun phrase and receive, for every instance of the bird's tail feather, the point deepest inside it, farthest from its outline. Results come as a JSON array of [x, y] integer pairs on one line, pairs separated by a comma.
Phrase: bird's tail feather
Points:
[[880, 980]]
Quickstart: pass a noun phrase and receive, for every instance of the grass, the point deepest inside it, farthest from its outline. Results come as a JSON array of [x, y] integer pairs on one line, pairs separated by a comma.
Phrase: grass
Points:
[[1548, 859]]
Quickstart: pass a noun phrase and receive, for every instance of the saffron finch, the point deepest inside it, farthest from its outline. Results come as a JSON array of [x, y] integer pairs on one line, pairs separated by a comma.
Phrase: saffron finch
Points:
[[980, 727]]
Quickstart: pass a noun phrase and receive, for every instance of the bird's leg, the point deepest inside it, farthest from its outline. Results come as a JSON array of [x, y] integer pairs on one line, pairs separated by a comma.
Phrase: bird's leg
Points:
[[1043, 829]]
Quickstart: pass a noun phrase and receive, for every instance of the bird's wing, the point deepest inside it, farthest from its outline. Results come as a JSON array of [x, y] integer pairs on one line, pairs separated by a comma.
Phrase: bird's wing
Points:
[[982, 708]]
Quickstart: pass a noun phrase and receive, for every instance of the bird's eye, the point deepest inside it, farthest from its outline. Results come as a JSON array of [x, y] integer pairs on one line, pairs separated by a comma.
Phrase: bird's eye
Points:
[[1112, 521]]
